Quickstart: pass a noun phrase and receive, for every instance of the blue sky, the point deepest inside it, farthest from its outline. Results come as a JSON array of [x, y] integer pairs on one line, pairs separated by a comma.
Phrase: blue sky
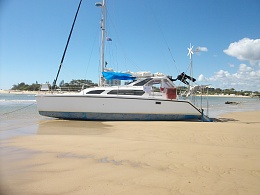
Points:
[[33, 35]]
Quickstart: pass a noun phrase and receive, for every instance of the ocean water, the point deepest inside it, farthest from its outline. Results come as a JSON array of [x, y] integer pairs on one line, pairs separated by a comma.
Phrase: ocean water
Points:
[[216, 105], [23, 106], [20, 105], [19, 115]]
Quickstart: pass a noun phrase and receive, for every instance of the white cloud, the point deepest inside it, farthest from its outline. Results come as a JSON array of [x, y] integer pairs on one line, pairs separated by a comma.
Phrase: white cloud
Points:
[[244, 68], [201, 77], [231, 65], [202, 48], [245, 49], [246, 78], [222, 74], [255, 63]]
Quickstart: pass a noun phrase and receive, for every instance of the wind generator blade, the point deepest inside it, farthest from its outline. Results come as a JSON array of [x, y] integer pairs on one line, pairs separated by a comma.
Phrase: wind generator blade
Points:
[[190, 51]]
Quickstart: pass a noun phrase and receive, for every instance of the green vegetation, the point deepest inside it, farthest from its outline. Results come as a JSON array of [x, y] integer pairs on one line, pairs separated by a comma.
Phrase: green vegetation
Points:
[[218, 91], [76, 85], [25, 87], [73, 85]]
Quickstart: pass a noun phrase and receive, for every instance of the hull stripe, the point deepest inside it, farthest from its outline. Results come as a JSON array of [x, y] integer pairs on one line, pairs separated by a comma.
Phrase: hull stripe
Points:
[[118, 116]]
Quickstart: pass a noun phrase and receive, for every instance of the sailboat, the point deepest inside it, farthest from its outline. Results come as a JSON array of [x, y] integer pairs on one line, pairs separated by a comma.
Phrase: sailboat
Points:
[[146, 96]]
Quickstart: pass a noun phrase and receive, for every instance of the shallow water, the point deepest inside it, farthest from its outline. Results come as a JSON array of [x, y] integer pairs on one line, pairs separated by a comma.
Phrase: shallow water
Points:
[[19, 115], [23, 106], [218, 107]]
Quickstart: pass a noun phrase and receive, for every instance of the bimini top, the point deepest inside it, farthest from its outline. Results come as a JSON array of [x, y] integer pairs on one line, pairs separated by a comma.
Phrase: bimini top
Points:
[[117, 75]]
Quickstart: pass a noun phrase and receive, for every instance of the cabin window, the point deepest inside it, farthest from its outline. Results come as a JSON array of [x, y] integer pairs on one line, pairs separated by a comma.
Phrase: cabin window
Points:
[[160, 85], [95, 92], [155, 85], [143, 82], [127, 92]]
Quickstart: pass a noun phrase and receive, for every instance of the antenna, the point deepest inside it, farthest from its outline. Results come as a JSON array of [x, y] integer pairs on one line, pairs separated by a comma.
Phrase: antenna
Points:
[[190, 53]]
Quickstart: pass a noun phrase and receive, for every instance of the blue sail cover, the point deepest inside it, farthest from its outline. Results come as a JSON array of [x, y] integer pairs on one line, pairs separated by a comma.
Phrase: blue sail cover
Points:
[[117, 75]]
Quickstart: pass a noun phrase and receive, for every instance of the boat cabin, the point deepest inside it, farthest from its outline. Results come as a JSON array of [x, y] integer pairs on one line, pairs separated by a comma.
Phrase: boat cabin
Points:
[[159, 87]]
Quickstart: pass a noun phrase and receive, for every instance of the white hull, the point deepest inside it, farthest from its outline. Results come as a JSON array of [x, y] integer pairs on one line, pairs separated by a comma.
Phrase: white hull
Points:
[[98, 107]]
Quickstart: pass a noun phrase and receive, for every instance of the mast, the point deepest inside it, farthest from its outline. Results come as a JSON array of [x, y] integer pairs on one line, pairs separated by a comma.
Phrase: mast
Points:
[[103, 36]]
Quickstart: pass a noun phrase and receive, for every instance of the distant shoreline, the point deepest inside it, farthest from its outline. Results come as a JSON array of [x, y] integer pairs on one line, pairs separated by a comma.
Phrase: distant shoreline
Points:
[[18, 92], [49, 92], [24, 92], [229, 96]]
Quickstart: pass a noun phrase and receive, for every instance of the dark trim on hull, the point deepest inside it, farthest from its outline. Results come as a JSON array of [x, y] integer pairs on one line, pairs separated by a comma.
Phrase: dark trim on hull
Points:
[[119, 116]]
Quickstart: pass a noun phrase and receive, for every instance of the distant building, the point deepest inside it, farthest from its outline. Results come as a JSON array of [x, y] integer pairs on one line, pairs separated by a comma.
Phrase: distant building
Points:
[[45, 87], [113, 82]]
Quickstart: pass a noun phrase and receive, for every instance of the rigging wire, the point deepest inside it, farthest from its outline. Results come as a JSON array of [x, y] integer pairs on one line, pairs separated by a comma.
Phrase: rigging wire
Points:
[[164, 39], [91, 52], [64, 53], [18, 109], [119, 44]]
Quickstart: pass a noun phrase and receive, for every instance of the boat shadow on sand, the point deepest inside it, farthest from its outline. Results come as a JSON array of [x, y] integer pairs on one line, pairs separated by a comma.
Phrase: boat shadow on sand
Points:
[[81, 127], [224, 120]]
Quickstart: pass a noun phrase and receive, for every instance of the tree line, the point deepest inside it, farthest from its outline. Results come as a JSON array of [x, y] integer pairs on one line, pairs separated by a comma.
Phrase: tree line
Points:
[[74, 85], [219, 91]]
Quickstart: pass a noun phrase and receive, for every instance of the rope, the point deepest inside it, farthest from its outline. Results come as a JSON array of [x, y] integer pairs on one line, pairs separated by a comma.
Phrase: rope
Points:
[[18, 109]]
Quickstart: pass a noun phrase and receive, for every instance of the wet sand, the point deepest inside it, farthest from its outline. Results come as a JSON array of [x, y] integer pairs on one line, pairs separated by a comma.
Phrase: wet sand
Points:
[[80, 157]]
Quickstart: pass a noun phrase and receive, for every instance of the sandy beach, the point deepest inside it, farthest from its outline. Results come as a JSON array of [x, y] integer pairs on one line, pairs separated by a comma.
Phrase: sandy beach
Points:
[[19, 92], [84, 157]]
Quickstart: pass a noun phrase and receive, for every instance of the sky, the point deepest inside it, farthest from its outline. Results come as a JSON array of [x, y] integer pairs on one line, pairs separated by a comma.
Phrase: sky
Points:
[[147, 35]]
